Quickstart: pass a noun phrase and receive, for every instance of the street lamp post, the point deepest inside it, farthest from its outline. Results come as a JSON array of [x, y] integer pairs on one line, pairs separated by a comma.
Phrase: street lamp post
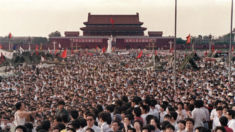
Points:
[[193, 42], [29, 42], [230, 44], [210, 42]]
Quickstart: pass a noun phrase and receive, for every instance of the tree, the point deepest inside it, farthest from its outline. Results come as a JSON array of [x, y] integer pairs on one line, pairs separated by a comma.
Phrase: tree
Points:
[[180, 41], [55, 34], [39, 40]]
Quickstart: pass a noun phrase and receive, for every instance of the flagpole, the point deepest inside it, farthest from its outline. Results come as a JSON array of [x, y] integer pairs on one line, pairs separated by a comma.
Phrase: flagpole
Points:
[[175, 46], [230, 45]]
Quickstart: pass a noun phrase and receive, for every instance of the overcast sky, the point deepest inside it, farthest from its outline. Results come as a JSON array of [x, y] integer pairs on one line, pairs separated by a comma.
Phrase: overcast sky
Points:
[[40, 17]]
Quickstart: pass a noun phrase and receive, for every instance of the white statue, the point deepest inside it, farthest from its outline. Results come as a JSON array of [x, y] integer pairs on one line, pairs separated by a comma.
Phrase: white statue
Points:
[[109, 41]]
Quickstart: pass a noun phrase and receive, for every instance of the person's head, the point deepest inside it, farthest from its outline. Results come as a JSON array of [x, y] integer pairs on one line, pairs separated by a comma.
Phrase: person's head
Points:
[[90, 119], [145, 129], [56, 129], [46, 125], [89, 130], [169, 128], [180, 105], [19, 106], [76, 124], [164, 124], [137, 112], [220, 129], [230, 114], [29, 127], [219, 110], [56, 120], [167, 117], [131, 130], [20, 128], [223, 120], [173, 115], [181, 124], [61, 104], [115, 125], [144, 109], [127, 119], [71, 130], [103, 117], [198, 129], [134, 102], [189, 123], [83, 122], [60, 125], [162, 108], [217, 103], [197, 104], [138, 124], [155, 122], [64, 117], [74, 114]]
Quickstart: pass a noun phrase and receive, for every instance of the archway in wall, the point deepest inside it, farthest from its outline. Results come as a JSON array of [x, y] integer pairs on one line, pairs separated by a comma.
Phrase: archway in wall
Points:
[[128, 47]]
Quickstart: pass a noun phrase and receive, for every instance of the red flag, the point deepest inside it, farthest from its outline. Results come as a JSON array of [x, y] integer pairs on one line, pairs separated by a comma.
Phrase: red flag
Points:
[[170, 51], [213, 48], [97, 47], [232, 49], [112, 21], [140, 54], [64, 54], [0, 46], [155, 52], [206, 53], [36, 48], [188, 39], [37, 53], [90, 54], [103, 50], [72, 51], [113, 49], [10, 35], [55, 51]]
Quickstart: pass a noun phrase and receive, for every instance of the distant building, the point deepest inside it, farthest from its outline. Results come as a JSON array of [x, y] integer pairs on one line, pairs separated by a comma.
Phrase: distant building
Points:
[[127, 33]]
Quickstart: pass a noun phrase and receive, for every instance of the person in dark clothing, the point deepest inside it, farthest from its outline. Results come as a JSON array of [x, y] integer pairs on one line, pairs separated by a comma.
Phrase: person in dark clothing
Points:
[[61, 109]]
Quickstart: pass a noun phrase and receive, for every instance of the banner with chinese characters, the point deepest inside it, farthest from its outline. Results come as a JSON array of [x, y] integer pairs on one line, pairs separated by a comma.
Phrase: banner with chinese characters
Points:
[[8, 55], [88, 40], [138, 40]]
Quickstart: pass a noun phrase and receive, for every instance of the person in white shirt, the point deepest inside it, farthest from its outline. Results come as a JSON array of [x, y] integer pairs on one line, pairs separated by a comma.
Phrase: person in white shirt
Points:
[[90, 123], [162, 113], [173, 120], [181, 112], [198, 115], [103, 118], [231, 120], [144, 111], [216, 121], [213, 112]]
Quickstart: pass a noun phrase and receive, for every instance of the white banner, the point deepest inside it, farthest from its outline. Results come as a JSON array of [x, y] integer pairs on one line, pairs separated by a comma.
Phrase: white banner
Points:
[[8, 55], [123, 53]]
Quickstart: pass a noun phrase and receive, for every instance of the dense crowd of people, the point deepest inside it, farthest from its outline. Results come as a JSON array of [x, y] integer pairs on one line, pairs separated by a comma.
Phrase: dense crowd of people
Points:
[[117, 93]]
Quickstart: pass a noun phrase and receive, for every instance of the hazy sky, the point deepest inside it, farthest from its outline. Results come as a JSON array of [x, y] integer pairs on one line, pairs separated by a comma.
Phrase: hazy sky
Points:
[[40, 17]]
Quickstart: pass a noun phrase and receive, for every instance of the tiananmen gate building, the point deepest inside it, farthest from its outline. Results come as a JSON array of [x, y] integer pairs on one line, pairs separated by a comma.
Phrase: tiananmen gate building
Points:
[[127, 32]]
